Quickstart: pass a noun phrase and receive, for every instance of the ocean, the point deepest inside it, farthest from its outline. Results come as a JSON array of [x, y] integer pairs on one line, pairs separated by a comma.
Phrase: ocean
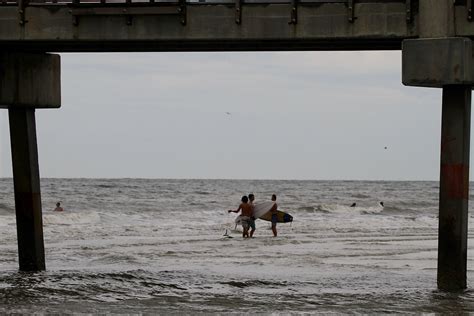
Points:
[[158, 247]]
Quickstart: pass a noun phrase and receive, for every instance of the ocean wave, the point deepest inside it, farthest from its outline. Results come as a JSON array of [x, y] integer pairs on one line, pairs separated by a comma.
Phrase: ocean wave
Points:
[[360, 196], [70, 218], [7, 220], [394, 210], [339, 208], [254, 282], [105, 186], [362, 209], [201, 192], [87, 286], [6, 209], [311, 209]]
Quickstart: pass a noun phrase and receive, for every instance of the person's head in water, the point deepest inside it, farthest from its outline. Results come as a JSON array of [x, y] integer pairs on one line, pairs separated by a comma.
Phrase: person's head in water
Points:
[[274, 197], [245, 199], [58, 204], [381, 203], [251, 197]]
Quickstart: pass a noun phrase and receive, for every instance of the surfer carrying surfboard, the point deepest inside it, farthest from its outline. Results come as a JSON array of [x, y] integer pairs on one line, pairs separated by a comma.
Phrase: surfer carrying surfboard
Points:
[[245, 216], [252, 218], [273, 210]]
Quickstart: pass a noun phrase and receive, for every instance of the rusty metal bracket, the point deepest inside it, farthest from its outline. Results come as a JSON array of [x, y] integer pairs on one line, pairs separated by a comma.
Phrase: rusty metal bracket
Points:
[[182, 11], [294, 12], [238, 11], [22, 4], [408, 5], [350, 10]]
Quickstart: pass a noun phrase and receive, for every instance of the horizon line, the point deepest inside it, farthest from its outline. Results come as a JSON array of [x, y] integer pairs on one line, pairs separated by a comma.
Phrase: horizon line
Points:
[[235, 179]]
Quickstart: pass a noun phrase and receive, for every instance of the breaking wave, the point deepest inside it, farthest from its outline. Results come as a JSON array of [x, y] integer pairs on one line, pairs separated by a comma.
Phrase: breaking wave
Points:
[[69, 218], [341, 209]]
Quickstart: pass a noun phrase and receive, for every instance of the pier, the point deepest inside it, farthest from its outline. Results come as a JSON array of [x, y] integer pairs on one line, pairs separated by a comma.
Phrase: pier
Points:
[[435, 37]]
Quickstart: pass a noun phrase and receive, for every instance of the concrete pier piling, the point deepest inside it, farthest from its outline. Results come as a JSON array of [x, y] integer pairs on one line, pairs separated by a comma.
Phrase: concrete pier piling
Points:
[[27, 189], [454, 187], [447, 63], [27, 82]]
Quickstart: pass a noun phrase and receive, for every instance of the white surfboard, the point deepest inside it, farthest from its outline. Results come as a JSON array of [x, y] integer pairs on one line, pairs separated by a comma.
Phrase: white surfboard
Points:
[[259, 209]]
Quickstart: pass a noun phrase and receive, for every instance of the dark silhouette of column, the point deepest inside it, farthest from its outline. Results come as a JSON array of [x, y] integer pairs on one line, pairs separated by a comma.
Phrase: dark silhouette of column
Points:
[[454, 187], [27, 189], [28, 81]]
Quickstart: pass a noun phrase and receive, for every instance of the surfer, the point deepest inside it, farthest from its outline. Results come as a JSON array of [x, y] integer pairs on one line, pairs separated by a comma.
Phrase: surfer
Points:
[[58, 208], [381, 204], [252, 218], [353, 205], [274, 215], [245, 215]]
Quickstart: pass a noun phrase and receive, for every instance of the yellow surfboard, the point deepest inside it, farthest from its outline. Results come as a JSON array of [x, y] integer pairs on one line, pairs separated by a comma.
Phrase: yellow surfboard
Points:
[[282, 217]]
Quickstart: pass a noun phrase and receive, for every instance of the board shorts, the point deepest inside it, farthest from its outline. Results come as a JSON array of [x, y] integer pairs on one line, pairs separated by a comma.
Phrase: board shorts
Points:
[[274, 219], [245, 221], [252, 223]]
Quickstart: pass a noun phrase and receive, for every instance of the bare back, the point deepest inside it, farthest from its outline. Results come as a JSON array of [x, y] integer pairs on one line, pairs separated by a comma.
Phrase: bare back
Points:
[[246, 209]]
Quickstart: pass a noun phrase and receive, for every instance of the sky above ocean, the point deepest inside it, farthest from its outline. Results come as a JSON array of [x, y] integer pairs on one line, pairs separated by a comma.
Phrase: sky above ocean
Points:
[[287, 115]]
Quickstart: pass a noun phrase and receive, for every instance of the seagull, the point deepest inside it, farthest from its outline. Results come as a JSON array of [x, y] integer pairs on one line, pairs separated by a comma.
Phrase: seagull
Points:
[[228, 113]]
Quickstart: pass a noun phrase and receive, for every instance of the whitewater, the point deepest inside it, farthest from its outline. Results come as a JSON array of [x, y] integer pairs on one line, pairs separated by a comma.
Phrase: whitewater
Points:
[[158, 246]]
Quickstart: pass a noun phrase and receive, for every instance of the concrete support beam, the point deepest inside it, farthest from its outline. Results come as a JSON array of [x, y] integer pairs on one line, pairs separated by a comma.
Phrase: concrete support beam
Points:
[[454, 188], [437, 62], [30, 80], [436, 18], [27, 189], [209, 27]]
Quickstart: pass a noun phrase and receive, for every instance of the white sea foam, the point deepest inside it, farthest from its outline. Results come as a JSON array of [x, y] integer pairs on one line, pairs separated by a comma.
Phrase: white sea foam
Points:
[[7, 220], [71, 218], [347, 209]]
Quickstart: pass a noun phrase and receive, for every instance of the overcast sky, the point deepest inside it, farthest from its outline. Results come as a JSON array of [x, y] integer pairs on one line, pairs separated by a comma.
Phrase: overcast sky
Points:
[[308, 115]]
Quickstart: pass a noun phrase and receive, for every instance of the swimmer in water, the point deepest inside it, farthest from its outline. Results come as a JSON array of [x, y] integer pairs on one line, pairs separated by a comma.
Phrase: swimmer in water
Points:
[[58, 208]]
